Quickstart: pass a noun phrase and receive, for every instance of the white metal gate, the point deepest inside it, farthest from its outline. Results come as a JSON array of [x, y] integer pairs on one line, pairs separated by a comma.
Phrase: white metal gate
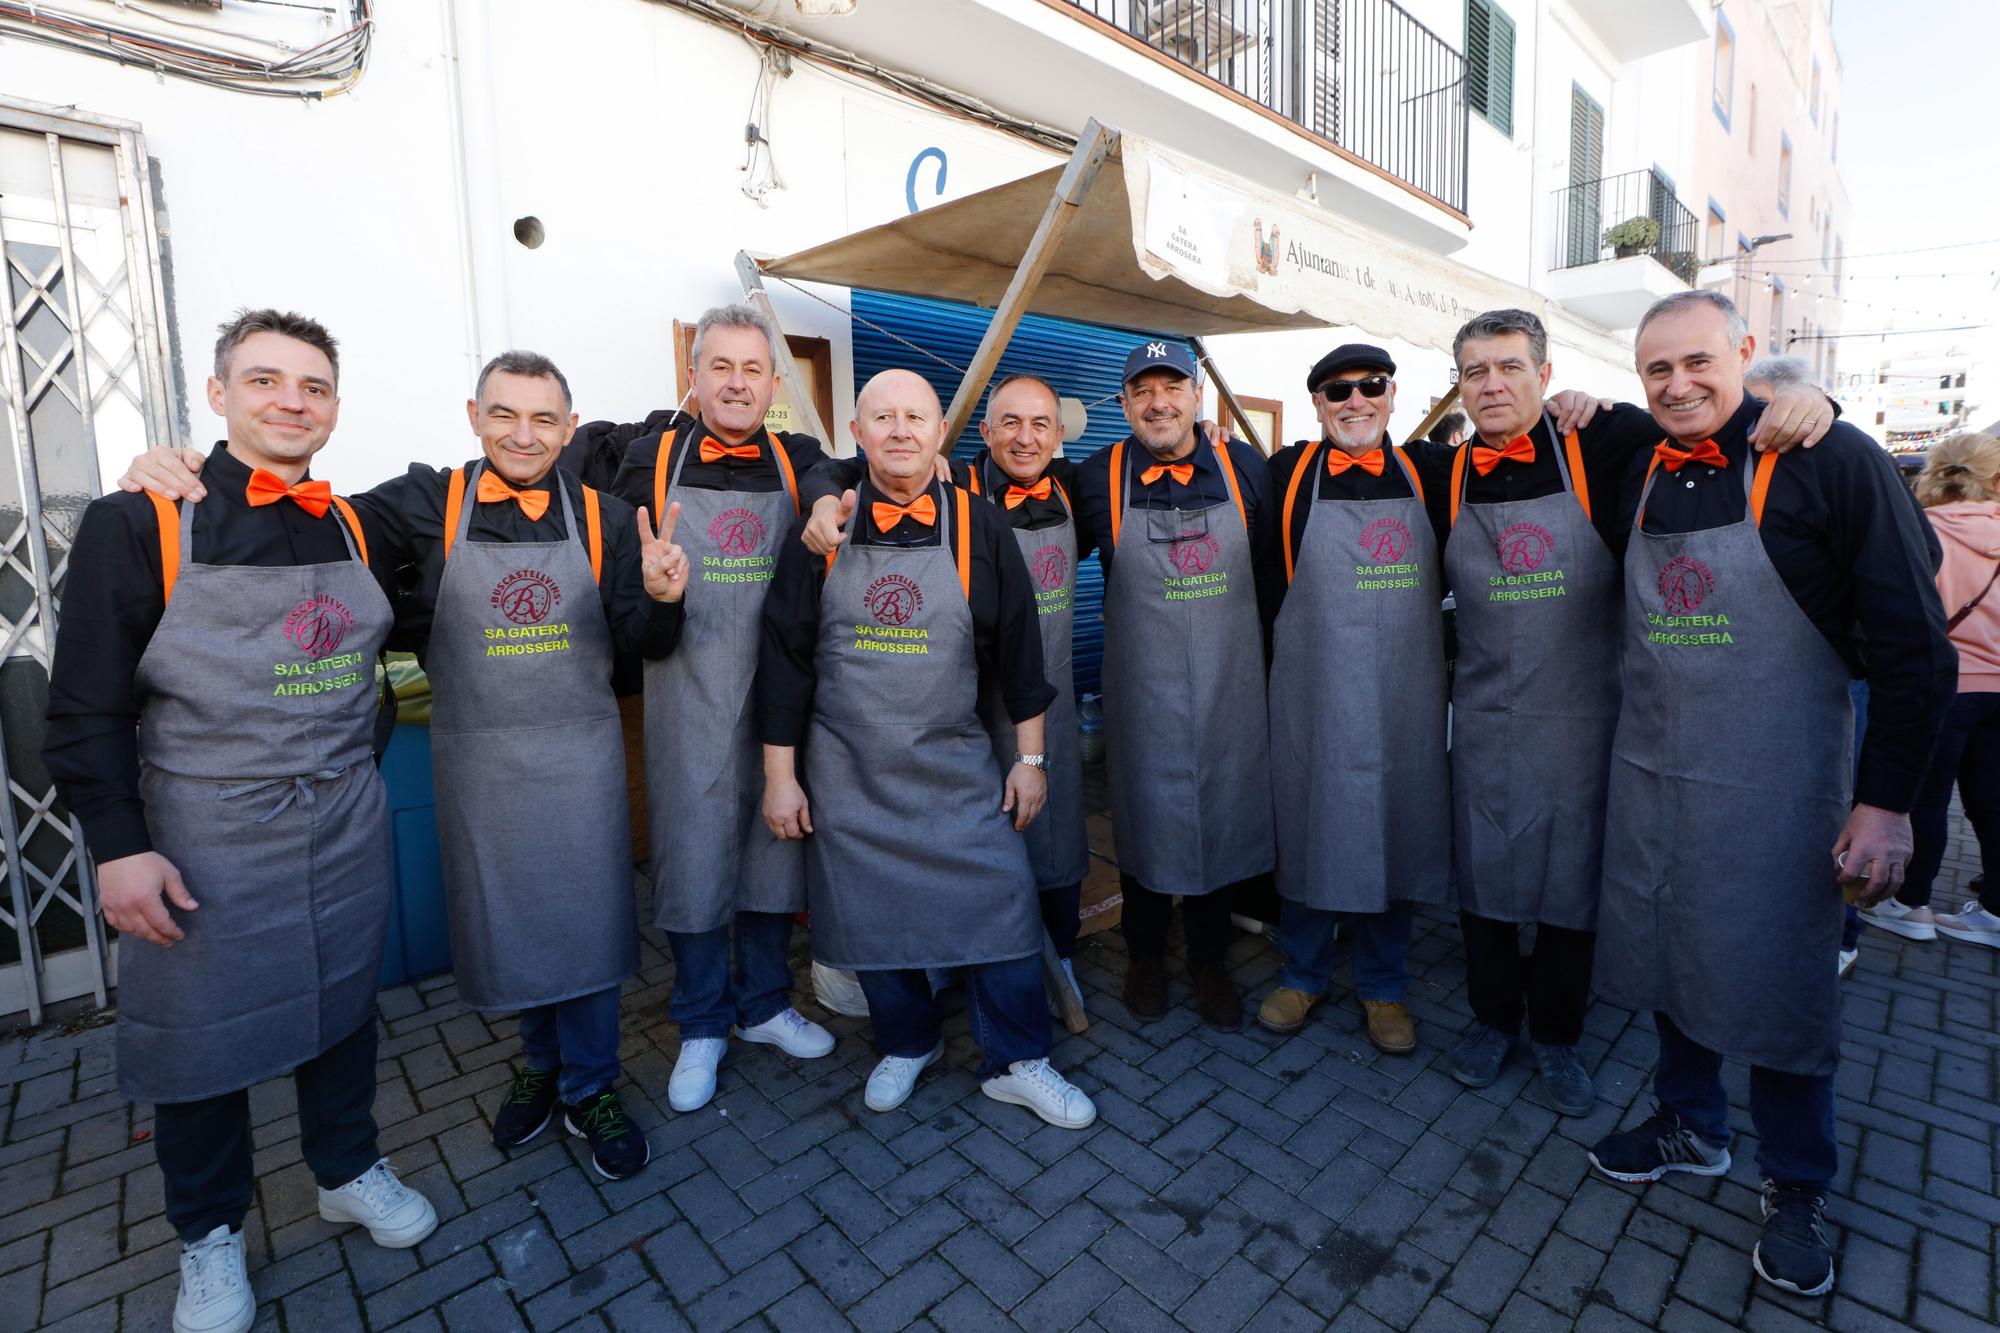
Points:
[[83, 387]]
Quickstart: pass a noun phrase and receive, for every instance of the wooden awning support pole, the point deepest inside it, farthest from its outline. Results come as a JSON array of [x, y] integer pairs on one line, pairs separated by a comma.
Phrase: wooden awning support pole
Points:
[[792, 385], [1097, 143], [1436, 414], [1229, 397]]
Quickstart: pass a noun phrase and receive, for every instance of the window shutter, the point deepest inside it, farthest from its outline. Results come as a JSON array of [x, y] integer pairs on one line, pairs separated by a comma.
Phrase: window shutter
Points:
[[1489, 63], [1500, 79]]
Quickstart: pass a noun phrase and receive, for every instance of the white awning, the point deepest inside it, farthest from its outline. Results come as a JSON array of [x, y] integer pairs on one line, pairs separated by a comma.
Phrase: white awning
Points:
[[1163, 242]]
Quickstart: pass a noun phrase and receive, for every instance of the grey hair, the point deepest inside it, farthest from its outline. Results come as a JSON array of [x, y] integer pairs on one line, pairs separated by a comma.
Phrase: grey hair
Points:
[[1739, 328], [533, 365], [1778, 371], [1022, 377], [303, 328], [738, 316], [1500, 323]]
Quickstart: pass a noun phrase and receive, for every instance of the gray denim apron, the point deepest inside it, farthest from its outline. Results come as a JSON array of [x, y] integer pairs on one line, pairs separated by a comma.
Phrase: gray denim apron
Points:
[[713, 855], [1359, 776], [1730, 782], [530, 765], [911, 862], [1185, 716], [257, 772], [1534, 703], [1058, 844]]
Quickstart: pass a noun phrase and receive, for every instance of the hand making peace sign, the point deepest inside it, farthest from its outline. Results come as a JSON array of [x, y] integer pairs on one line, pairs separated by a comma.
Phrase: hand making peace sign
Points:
[[663, 563]]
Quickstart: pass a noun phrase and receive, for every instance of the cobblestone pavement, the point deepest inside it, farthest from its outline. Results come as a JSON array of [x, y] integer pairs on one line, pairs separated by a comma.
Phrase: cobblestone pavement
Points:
[[1230, 1181]]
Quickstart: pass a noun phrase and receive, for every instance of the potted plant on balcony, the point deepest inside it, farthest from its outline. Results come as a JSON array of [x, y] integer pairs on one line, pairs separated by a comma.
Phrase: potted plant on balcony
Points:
[[1633, 236]]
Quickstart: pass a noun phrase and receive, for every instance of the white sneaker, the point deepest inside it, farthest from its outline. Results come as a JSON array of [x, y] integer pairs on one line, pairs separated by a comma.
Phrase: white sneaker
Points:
[[839, 992], [215, 1290], [1971, 923], [693, 1082], [1036, 1085], [896, 1077], [793, 1033], [396, 1216], [1912, 923], [1848, 958]]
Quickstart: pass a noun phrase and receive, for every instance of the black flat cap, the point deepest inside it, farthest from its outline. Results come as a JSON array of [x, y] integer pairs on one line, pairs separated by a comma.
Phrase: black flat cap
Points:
[[1348, 356]]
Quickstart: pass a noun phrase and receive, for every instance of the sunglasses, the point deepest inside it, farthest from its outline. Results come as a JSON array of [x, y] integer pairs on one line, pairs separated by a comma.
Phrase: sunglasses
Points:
[[1339, 391]]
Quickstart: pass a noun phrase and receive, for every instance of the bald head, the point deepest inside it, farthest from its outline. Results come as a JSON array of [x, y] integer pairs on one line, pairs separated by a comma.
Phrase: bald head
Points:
[[899, 425]]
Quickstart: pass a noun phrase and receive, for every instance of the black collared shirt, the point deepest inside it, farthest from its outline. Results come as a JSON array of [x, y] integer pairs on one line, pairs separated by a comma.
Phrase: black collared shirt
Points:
[[112, 603], [1007, 641], [1431, 464], [982, 476], [635, 478], [1206, 486], [1842, 533], [408, 511], [1614, 446]]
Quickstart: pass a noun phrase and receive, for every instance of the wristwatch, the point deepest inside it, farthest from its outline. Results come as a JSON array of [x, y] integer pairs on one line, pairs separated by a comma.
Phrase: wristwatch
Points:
[[1036, 761]]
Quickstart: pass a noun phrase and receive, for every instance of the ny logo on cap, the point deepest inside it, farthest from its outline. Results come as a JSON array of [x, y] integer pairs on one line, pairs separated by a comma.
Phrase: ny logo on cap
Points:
[[1156, 349]]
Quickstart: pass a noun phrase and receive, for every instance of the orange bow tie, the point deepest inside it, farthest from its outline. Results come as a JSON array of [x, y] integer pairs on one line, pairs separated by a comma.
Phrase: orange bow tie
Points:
[[1339, 460], [1673, 458], [1180, 472], [712, 452], [492, 490], [1017, 495], [315, 497], [1520, 449], [887, 516]]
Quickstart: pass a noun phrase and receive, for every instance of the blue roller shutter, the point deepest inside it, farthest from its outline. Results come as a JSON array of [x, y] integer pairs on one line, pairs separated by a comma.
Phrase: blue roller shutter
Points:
[[1083, 361]]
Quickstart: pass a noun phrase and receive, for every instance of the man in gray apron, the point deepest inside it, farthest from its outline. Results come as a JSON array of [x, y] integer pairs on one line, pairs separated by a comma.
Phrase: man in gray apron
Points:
[[1359, 773], [211, 720], [1185, 530], [717, 871], [1734, 815], [873, 659], [1019, 472]]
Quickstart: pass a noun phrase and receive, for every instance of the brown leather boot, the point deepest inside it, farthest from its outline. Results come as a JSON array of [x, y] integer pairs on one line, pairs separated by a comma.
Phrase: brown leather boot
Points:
[[1390, 1026], [1215, 995], [1145, 988]]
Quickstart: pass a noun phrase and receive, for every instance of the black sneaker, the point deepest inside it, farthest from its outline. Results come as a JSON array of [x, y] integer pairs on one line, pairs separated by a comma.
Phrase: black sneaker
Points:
[[1480, 1054], [526, 1109], [617, 1148], [1794, 1252], [1565, 1080], [1656, 1145]]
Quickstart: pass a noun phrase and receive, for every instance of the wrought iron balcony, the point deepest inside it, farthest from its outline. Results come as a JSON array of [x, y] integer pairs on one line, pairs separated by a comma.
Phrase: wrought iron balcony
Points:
[[1362, 74], [1618, 217]]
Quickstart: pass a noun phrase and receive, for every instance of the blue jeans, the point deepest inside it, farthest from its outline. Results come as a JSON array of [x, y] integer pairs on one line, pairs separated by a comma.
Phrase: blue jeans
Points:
[[1379, 941], [579, 1037], [1793, 1113], [708, 998], [1006, 1002]]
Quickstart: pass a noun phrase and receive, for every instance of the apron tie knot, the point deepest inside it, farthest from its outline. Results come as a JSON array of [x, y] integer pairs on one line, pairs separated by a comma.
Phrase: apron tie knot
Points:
[[297, 787]]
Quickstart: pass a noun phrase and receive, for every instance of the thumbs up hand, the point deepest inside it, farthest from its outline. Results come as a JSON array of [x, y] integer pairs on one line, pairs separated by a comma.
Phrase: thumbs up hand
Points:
[[663, 563], [827, 528]]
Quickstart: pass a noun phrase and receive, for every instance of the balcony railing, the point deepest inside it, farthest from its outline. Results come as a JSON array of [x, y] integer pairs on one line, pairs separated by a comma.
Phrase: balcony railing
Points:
[[1616, 217], [1363, 74]]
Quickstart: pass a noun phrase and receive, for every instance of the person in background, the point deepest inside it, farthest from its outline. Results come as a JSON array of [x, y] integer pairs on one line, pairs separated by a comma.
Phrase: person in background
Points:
[[1450, 431], [1960, 491]]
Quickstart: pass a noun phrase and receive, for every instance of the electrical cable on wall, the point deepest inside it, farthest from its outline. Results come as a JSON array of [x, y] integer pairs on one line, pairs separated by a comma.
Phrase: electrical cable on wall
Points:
[[760, 163], [324, 69]]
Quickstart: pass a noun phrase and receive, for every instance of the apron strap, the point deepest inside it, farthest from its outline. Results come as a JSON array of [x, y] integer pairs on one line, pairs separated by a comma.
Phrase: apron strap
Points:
[[1117, 491], [1067, 506], [1458, 481], [1577, 480], [962, 530], [454, 506], [168, 516], [1229, 479], [784, 462], [660, 471], [593, 527], [357, 545], [1766, 465], [1306, 464], [975, 470], [1410, 471]]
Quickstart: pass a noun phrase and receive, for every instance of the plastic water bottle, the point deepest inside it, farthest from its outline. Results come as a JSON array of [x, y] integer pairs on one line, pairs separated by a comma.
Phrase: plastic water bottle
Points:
[[1090, 726]]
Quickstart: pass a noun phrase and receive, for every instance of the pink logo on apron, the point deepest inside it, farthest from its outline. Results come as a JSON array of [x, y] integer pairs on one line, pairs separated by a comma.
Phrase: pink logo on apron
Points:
[[1193, 552], [1386, 540], [526, 596], [893, 599], [736, 532], [1524, 546], [317, 626], [1050, 568], [1685, 584]]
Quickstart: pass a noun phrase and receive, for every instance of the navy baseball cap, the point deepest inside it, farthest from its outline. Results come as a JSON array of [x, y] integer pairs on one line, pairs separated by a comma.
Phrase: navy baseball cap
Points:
[[1165, 354], [1348, 356]]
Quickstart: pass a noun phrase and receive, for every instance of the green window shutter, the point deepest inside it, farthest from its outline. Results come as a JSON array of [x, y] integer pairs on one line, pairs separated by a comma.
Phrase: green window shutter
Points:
[[1489, 63]]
